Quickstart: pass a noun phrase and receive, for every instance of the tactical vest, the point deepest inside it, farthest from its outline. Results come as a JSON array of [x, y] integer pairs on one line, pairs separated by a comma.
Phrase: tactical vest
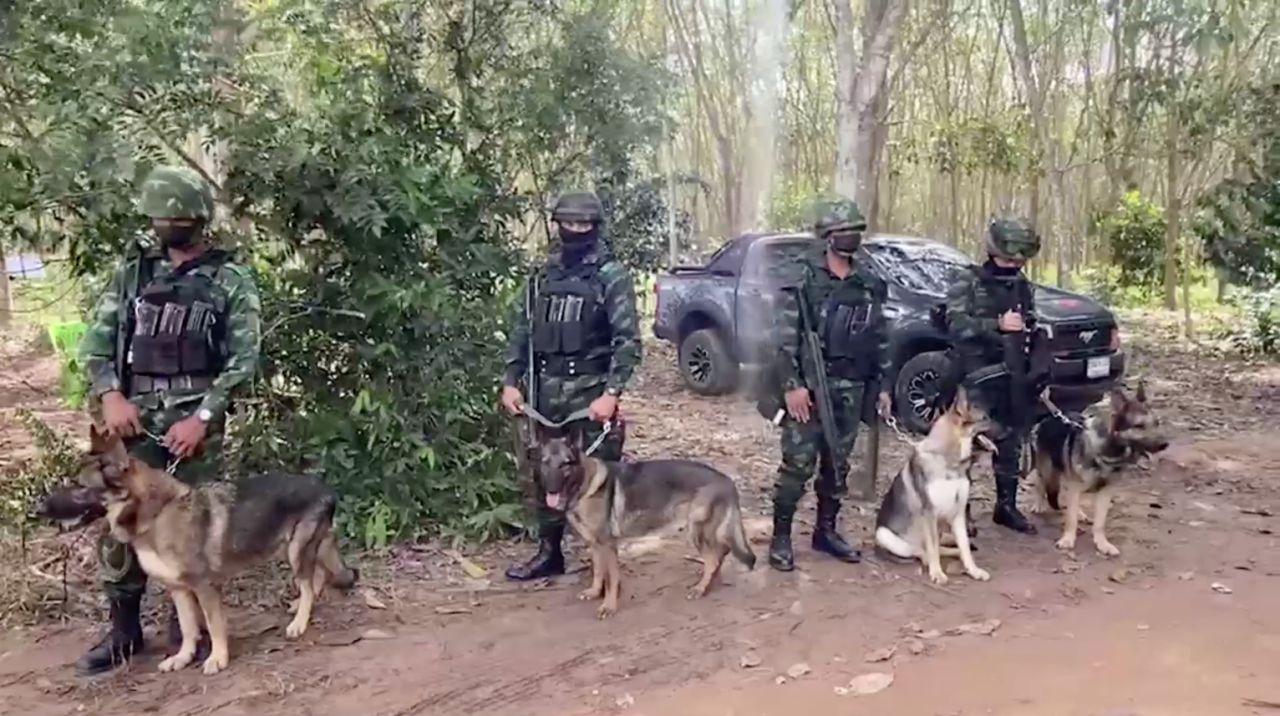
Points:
[[569, 318], [992, 297], [179, 323], [848, 331]]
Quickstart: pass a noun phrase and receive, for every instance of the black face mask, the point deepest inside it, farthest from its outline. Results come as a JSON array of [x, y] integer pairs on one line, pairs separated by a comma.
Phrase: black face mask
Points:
[[1001, 270], [575, 245], [845, 243], [177, 237]]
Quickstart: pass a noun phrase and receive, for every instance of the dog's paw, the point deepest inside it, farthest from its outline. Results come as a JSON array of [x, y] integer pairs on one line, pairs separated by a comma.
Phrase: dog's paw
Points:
[[177, 662], [295, 629], [938, 576], [697, 591], [606, 610], [588, 594], [1067, 543], [980, 574], [1106, 549], [215, 663]]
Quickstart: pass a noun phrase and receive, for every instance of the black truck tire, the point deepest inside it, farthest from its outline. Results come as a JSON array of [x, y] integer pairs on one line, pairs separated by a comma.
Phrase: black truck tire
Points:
[[917, 387], [706, 365]]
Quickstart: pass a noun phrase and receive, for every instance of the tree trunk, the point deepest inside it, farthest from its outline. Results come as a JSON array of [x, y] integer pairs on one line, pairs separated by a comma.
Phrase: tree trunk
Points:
[[1173, 212], [6, 291], [859, 86]]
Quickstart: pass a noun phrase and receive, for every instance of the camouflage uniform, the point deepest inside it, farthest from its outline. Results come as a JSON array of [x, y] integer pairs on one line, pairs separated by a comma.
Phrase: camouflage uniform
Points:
[[224, 304], [974, 306], [579, 363], [854, 338]]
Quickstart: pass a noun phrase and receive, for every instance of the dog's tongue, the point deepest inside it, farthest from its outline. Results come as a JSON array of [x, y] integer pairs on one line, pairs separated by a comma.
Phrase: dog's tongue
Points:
[[553, 500]]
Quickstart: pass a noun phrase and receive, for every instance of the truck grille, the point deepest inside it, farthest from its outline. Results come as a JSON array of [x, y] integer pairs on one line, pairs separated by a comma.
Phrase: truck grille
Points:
[[1081, 338]]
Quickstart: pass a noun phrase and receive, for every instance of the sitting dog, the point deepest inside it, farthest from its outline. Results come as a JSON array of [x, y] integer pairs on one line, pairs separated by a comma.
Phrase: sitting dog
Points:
[[192, 538], [933, 487], [608, 502], [1072, 459]]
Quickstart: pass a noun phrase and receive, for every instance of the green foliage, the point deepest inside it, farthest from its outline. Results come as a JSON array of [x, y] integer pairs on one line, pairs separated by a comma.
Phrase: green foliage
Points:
[[1134, 231], [73, 383], [1259, 331], [54, 462], [375, 155]]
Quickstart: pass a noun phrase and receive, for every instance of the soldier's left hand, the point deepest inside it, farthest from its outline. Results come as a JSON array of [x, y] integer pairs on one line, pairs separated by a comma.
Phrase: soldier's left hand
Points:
[[603, 408], [185, 436], [884, 405]]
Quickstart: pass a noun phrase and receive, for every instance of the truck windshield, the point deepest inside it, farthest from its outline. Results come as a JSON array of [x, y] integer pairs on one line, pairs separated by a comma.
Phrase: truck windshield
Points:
[[925, 269]]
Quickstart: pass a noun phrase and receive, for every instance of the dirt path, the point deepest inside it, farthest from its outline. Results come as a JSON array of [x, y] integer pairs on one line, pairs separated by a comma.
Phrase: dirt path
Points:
[[1142, 634]]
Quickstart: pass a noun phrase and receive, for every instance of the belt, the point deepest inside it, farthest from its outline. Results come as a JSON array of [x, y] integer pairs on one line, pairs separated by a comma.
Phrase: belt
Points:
[[140, 384], [567, 367]]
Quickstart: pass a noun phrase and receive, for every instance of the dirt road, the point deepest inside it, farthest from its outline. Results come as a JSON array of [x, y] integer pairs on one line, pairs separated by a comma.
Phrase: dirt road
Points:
[[1146, 633]]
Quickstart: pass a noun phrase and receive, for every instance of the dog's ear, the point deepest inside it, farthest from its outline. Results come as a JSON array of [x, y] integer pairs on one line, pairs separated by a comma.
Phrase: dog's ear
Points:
[[1119, 401], [99, 440], [1141, 395], [961, 404]]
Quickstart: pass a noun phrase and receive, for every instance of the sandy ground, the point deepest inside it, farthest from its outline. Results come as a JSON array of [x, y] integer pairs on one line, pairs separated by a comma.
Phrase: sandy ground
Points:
[[1146, 633]]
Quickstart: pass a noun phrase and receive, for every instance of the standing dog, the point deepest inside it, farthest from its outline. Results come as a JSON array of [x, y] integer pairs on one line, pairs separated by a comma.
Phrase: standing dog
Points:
[[933, 487], [191, 538], [608, 502], [1071, 460]]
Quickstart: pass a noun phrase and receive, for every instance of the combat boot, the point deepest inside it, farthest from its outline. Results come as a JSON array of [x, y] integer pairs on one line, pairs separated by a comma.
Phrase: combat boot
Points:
[[121, 642], [825, 536], [781, 557], [548, 562], [1006, 513]]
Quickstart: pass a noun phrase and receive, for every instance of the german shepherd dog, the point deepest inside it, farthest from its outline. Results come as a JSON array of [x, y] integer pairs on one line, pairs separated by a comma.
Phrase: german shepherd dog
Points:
[[609, 502], [1071, 460], [933, 487], [192, 538]]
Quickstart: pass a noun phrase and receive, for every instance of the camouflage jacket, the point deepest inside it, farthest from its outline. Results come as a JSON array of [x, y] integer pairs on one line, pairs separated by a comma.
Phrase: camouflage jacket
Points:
[[811, 276], [619, 293], [974, 306], [241, 310]]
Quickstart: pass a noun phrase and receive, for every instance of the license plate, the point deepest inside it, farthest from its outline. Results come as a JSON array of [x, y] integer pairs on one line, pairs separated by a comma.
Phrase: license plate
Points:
[[1099, 367]]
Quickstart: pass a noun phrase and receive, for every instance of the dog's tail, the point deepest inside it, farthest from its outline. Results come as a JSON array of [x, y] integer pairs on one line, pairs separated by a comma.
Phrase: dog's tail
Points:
[[738, 540]]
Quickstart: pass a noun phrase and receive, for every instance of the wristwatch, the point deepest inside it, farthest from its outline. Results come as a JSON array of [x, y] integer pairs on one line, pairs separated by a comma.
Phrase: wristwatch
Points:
[[204, 415]]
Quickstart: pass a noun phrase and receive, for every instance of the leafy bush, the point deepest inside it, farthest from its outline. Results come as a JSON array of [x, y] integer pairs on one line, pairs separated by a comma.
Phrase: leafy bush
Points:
[[65, 339], [55, 460], [1135, 232], [1259, 332]]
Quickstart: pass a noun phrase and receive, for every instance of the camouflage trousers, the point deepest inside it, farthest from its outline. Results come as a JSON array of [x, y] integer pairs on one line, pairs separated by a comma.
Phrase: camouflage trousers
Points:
[[122, 576], [558, 398], [804, 449]]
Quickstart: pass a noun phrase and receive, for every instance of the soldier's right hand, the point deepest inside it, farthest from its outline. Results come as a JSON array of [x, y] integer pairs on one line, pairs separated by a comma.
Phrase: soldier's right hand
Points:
[[798, 404], [512, 400], [121, 416], [1012, 322]]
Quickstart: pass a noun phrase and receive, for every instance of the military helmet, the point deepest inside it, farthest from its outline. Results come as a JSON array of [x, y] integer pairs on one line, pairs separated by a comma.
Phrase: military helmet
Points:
[[578, 206], [1012, 239], [176, 193], [831, 215]]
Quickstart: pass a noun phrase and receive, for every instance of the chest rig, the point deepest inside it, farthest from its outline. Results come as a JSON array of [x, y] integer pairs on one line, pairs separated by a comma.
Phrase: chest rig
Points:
[[570, 320], [179, 322], [848, 329]]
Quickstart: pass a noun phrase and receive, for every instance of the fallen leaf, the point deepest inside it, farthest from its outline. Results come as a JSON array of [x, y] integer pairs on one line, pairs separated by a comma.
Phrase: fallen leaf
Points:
[[879, 655], [472, 569], [1220, 588], [915, 646], [797, 608], [1119, 576], [1108, 590], [371, 600], [340, 638], [841, 691], [625, 701], [376, 634], [931, 634], [453, 610], [1187, 576], [1260, 511], [750, 660], [868, 684], [780, 680], [798, 670], [1196, 523], [986, 628], [1144, 627]]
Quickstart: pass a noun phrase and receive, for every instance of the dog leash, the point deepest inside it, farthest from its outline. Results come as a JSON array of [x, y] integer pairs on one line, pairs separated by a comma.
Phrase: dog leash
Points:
[[1056, 412], [160, 441], [572, 418]]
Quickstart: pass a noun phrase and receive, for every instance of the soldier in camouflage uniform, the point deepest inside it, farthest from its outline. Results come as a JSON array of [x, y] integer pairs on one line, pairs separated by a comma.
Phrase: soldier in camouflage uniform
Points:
[[586, 345], [174, 334], [991, 306], [847, 301]]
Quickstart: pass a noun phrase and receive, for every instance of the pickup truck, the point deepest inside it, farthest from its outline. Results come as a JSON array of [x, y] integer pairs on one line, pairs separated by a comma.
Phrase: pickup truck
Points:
[[720, 318]]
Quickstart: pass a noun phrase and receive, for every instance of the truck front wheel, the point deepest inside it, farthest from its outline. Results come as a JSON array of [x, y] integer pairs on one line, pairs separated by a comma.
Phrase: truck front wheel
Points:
[[706, 365], [917, 388]]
